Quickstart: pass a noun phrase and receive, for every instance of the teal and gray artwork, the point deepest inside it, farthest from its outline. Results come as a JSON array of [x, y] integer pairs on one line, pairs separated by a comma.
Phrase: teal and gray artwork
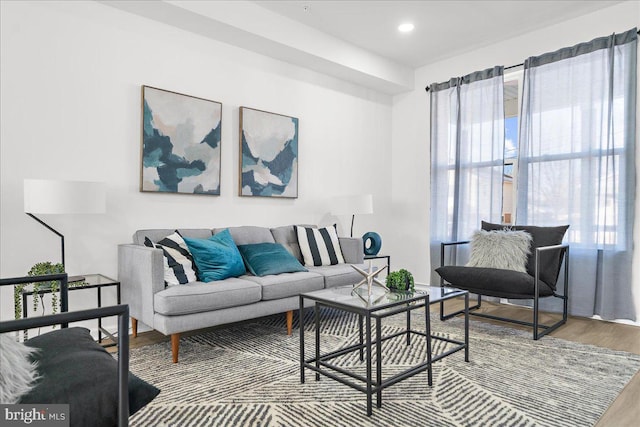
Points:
[[268, 154], [180, 143]]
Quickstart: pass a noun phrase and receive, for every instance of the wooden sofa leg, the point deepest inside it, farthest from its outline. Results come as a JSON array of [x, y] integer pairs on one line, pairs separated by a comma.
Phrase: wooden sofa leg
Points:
[[134, 327], [289, 321], [175, 346]]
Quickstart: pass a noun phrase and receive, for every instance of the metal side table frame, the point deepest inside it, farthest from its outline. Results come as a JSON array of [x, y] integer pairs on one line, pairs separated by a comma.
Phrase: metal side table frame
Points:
[[94, 281]]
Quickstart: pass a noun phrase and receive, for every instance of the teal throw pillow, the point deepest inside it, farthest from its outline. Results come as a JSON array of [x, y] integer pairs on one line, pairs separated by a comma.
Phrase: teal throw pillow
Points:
[[217, 257], [269, 258]]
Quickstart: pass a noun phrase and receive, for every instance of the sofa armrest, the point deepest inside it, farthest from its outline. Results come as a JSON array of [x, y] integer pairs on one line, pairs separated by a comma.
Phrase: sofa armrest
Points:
[[141, 275], [352, 249]]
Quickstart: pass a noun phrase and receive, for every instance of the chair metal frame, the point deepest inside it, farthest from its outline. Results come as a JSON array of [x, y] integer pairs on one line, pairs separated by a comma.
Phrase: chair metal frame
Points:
[[65, 317], [539, 329]]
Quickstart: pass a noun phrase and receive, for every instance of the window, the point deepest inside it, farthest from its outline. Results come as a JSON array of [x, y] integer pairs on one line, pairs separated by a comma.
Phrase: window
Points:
[[512, 85]]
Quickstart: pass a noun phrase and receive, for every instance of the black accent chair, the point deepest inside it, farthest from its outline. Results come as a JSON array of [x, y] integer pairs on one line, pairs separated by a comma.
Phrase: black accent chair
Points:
[[544, 263], [68, 356]]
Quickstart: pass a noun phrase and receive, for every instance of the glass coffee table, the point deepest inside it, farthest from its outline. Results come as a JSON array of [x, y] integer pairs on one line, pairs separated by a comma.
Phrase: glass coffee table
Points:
[[378, 305]]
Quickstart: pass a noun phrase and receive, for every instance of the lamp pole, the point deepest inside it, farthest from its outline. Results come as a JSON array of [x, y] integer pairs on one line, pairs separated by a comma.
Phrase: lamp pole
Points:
[[353, 217], [50, 228]]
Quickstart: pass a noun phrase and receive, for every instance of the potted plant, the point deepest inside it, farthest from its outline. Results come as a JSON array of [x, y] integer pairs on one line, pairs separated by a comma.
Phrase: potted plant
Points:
[[400, 281], [39, 269]]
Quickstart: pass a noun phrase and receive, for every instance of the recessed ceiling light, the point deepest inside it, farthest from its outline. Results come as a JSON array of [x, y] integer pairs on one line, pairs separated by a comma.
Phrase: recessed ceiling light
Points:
[[407, 27]]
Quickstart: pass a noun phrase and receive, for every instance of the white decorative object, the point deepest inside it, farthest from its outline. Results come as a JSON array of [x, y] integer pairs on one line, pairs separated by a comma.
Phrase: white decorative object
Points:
[[370, 278]]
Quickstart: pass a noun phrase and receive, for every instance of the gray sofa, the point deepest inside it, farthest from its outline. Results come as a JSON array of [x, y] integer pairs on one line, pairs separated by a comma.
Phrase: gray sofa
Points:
[[181, 308]]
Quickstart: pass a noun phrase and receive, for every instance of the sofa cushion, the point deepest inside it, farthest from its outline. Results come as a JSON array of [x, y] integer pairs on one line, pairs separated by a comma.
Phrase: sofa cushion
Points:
[[339, 275], [217, 257], [179, 267], [248, 234], [157, 234], [200, 297], [75, 370], [492, 281], [287, 284], [263, 259], [541, 236], [319, 246]]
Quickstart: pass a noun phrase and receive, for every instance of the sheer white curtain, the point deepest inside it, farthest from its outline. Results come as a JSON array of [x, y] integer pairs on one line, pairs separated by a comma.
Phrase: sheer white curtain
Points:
[[577, 164], [467, 150]]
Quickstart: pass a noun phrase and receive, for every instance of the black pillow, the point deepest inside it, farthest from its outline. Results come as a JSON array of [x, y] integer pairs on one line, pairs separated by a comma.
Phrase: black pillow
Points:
[[540, 236], [76, 370]]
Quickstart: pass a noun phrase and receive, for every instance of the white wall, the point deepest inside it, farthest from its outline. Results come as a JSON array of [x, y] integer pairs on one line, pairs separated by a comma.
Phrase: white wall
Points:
[[410, 166], [70, 109], [70, 82]]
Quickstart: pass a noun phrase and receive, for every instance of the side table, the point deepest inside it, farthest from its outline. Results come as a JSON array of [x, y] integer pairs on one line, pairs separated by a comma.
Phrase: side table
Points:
[[380, 256], [91, 281]]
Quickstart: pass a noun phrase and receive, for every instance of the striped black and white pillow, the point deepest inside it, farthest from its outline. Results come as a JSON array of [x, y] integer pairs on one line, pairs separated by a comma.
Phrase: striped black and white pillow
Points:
[[179, 267], [319, 246]]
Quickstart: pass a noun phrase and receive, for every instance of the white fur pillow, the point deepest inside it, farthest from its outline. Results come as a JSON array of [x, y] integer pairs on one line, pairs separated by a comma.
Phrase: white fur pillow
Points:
[[17, 372], [503, 249]]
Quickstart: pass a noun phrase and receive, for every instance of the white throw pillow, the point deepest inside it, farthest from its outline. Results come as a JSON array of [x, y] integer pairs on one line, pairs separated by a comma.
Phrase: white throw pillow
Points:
[[179, 266], [17, 372], [319, 246], [503, 249]]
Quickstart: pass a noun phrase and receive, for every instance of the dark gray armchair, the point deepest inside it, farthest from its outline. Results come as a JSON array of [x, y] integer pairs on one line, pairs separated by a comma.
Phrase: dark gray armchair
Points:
[[544, 263], [73, 369]]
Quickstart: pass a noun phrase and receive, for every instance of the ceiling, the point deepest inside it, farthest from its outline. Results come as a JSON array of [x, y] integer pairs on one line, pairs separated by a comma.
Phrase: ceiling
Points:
[[442, 28], [358, 41]]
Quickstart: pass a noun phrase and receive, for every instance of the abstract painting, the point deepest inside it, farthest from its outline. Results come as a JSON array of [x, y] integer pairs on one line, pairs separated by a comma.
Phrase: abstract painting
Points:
[[180, 143], [268, 154]]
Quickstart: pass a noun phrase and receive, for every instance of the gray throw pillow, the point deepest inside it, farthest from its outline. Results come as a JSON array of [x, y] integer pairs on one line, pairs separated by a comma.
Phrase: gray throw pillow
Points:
[[503, 249]]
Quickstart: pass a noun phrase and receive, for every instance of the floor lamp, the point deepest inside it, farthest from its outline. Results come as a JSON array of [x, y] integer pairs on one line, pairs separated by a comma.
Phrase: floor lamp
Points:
[[353, 205], [53, 197]]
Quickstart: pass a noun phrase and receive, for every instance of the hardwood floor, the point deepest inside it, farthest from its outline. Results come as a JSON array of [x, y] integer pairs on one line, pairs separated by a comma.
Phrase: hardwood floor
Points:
[[624, 411]]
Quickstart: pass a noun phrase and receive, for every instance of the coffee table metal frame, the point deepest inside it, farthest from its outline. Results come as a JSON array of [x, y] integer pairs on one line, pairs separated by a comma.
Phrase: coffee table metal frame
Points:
[[366, 312]]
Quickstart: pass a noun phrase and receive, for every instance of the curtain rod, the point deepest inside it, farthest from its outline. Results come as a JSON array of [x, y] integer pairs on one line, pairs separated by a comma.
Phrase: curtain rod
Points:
[[509, 67], [505, 68]]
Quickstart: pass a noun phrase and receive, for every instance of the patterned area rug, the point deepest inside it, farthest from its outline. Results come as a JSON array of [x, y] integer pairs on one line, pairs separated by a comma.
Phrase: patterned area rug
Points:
[[248, 375]]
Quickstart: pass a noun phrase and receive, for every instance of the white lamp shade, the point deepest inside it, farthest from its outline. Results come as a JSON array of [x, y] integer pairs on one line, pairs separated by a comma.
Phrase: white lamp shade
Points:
[[46, 196], [353, 205]]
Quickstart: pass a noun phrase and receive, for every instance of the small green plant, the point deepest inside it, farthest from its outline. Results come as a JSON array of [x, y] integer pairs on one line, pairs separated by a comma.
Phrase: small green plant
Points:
[[400, 280], [40, 269]]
